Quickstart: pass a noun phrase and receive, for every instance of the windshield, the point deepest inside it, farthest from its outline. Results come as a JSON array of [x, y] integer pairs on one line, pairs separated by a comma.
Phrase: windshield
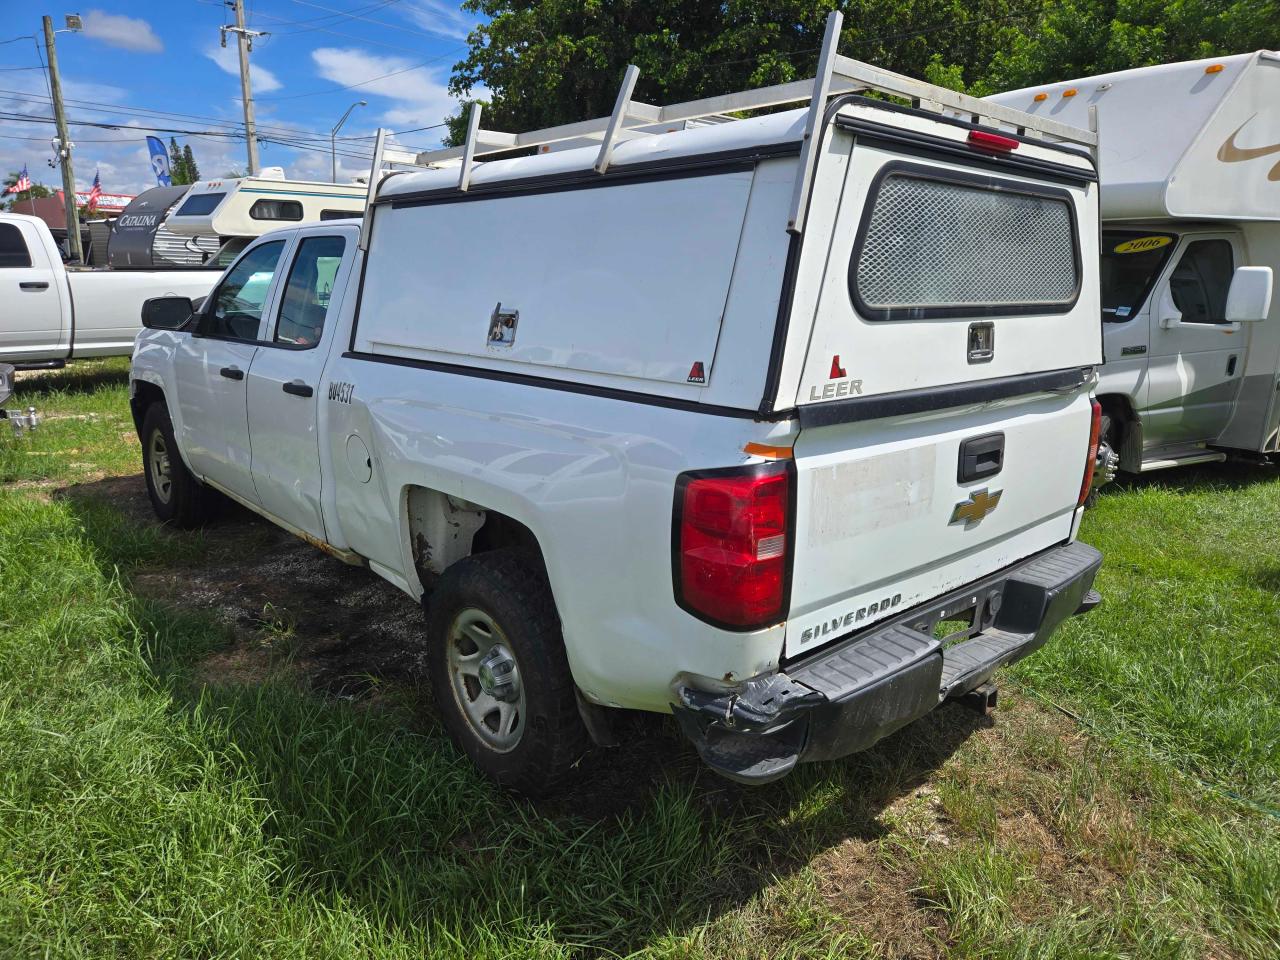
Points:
[[1131, 263]]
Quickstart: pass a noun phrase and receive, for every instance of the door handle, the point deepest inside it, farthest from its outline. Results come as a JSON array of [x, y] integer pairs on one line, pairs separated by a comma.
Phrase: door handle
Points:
[[232, 373], [34, 284], [298, 388], [1231, 366]]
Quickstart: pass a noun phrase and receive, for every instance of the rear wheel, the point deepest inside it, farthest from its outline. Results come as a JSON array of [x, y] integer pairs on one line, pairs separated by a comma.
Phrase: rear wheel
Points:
[[499, 672], [176, 496], [1107, 464]]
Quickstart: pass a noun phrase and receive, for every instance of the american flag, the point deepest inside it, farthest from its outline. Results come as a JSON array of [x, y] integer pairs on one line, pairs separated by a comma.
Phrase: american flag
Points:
[[95, 191], [23, 184]]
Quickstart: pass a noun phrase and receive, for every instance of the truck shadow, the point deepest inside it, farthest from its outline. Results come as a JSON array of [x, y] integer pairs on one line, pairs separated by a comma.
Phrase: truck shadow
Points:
[[311, 674], [1231, 475], [78, 377]]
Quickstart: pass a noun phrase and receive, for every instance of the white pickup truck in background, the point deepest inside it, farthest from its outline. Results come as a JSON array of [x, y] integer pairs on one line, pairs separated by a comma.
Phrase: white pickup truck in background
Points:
[[782, 425], [50, 314]]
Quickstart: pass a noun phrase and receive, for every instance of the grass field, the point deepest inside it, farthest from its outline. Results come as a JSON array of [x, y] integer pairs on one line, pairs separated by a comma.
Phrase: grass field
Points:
[[215, 745]]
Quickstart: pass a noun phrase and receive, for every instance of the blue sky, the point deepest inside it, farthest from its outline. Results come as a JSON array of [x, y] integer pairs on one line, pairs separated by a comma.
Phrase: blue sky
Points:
[[164, 58]]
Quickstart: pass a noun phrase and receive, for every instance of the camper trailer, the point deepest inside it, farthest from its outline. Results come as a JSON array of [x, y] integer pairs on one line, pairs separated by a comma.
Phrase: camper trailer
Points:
[[1190, 170], [236, 210]]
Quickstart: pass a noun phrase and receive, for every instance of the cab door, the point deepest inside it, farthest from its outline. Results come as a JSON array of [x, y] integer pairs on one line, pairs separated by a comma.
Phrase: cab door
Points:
[[35, 321], [1197, 358], [212, 365], [283, 383]]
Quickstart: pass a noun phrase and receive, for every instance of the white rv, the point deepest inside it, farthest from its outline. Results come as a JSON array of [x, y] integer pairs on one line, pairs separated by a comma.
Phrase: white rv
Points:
[[238, 209], [1190, 171]]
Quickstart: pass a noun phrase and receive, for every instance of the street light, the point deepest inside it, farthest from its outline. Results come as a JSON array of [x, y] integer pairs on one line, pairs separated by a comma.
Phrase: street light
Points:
[[333, 138]]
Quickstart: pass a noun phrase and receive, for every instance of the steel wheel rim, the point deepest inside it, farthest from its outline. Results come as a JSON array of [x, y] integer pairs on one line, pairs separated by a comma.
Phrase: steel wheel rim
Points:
[[158, 462], [493, 707]]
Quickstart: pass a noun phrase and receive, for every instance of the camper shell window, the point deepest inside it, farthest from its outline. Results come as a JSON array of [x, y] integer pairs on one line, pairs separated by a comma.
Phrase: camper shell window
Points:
[[200, 204], [276, 210], [1131, 264], [340, 215], [949, 244]]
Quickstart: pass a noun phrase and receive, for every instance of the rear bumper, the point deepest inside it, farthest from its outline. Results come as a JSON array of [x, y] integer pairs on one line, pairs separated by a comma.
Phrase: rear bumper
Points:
[[847, 696]]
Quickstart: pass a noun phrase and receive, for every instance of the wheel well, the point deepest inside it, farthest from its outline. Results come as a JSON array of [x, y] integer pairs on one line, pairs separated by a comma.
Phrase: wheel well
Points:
[[144, 395], [444, 529], [1128, 429]]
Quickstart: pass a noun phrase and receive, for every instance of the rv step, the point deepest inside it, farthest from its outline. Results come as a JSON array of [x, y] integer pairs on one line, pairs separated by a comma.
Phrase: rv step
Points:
[[1198, 455]]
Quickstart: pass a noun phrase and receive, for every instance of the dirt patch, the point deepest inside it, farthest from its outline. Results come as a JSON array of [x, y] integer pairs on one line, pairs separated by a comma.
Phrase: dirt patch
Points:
[[340, 628]]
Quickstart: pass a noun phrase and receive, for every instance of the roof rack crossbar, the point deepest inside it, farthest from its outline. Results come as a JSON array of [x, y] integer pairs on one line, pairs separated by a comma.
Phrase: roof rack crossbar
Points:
[[836, 74]]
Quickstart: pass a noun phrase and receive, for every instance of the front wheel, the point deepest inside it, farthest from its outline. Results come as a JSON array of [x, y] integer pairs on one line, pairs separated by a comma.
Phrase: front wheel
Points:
[[177, 497], [499, 672]]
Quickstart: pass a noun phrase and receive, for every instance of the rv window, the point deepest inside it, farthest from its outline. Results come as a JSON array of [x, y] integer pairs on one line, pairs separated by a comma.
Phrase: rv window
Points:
[[938, 244], [1131, 263], [1200, 281], [306, 297], [235, 308], [340, 215], [13, 249], [199, 204], [276, 210]]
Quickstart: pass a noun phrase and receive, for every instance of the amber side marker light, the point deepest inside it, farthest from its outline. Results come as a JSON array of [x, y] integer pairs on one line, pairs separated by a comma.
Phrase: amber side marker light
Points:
[[1213, 68], [1070, 92], [1040, 97], [768, 451]]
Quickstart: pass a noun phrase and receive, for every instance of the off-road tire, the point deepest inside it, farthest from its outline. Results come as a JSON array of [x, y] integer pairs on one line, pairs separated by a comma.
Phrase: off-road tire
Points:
[[510, 588], [187, 503]]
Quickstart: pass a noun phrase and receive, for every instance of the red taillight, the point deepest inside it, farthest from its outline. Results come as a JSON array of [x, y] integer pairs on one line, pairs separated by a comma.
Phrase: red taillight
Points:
[[732, 544], [992, 141], [1095, 433]]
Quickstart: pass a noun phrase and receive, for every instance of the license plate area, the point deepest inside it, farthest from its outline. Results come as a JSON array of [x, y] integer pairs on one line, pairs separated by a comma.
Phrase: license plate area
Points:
[[962, 617]]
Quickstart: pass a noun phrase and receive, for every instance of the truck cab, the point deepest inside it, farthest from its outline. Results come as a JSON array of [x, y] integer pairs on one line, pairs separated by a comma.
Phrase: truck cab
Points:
[[1190, 199]]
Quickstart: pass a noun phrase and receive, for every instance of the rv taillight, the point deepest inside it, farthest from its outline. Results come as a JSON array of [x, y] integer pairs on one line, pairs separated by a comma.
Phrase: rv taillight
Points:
[[732, 533], [992, 141], [1091, 460]]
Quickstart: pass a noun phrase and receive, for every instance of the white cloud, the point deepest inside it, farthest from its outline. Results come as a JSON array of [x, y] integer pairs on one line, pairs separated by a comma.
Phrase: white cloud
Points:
[[128, 33], [445, 19], [417, 97], [228, 60]]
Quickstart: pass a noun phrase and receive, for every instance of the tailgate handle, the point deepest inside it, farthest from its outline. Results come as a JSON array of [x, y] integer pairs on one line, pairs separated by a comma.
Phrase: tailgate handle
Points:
[[981, 457]]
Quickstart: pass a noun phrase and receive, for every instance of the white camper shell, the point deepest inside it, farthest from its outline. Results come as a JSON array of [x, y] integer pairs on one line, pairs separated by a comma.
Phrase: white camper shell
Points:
[[1190, 171], [736, 415]]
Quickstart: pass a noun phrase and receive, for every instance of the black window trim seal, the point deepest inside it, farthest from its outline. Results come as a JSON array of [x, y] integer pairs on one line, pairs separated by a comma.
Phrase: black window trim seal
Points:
[[975, 311], [928, 399]]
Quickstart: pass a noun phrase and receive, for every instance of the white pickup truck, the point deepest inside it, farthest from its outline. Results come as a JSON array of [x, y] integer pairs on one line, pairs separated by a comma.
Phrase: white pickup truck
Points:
[[49, 314], [782, 425]]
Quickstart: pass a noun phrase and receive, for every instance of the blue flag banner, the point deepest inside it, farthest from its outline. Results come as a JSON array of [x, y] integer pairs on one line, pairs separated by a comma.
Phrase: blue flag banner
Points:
[[159, 161]]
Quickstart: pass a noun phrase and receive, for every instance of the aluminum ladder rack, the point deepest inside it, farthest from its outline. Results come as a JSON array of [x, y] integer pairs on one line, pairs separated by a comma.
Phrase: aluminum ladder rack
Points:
[[836, 75]]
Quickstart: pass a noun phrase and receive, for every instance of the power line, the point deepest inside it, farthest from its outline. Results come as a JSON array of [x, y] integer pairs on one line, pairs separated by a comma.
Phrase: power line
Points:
[[362, 83]]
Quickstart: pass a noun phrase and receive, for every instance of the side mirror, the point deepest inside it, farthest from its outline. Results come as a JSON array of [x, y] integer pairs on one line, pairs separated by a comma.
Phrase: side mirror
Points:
[[166, 313], [1249, 298]]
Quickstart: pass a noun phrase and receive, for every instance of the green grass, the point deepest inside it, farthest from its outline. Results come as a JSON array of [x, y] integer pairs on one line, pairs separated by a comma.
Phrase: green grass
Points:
[[145, 813]]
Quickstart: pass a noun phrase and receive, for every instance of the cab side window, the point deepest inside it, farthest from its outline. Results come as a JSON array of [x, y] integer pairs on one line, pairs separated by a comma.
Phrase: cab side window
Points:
[[1200, 281], [305, 303], [13, 249], [235, 308]]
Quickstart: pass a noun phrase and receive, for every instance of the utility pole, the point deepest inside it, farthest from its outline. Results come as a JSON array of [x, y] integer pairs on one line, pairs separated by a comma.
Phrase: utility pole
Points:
[[244, 42], [64, 148], [333, 138]]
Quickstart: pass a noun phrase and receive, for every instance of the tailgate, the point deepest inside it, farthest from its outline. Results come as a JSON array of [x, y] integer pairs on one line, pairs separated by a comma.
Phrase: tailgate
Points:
[[946, 311], [883, 521]]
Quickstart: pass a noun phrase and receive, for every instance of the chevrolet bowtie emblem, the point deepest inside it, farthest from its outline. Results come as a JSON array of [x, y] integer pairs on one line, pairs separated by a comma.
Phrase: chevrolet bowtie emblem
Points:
[[979, 504], [1230, 153]]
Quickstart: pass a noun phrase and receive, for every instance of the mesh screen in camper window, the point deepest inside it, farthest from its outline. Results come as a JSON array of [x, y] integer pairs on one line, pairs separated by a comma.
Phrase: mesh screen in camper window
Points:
[[931, 247]]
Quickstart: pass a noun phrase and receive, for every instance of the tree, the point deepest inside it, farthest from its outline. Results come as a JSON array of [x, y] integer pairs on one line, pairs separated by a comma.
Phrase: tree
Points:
[[557, 61], [560, 60], [175, 163], [37, 190], [190, 169]]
